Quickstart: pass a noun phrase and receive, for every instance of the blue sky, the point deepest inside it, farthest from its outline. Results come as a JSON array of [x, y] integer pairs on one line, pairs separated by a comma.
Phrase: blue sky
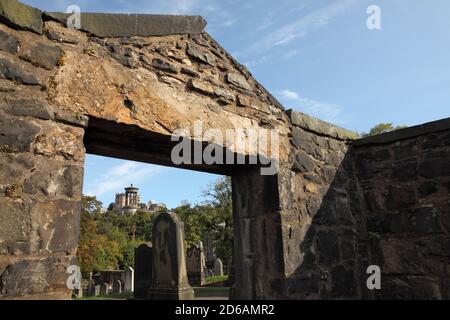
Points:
[[318, 57]]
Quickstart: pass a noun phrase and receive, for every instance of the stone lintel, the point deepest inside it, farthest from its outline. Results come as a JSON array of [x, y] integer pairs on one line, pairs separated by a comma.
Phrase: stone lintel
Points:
[[320, 127], [105, 25]]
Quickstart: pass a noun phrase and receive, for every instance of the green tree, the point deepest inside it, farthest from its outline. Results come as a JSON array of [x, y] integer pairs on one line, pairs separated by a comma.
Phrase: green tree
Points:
[[214, 216], [91, 205], [221, 223], [382, 128]]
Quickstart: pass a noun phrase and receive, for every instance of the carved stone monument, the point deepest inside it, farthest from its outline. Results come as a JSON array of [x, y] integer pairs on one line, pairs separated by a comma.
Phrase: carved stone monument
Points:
[[196, 266], [170, 280], [143, 269], [117, 286], [128, 286], [218, 267]]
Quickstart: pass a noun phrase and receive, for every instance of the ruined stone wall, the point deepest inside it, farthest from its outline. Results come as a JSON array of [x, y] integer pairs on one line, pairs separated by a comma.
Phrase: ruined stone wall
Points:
[[336, 206], [54, 79], [320, 201], [41, 171], [405, 180]]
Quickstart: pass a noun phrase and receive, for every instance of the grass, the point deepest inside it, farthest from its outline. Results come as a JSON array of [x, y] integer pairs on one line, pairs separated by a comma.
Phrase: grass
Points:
[[214, 279], [212, 292]]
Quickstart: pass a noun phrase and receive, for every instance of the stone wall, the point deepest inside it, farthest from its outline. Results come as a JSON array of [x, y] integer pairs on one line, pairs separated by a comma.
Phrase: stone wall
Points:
[[41, 170], [336, 206], [405, 180], [319, 199]]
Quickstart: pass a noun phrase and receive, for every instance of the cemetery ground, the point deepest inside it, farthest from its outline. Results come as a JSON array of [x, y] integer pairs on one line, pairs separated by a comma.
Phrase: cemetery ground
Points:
[[213, 290]]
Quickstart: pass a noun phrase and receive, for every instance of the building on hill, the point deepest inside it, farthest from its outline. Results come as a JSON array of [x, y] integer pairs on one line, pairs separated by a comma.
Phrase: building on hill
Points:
[[130, 201]]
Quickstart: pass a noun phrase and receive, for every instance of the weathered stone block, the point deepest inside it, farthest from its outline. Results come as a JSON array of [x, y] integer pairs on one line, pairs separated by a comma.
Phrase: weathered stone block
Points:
[[105, 25], [58, 224], [404, 171], [302, 162], [343, 282], [348, 250], [164, 66], [44, 56], [239, 81], [14, 167], [21, 15], [400, 197], [343, 211], [435, 168], [409, 288], [16, 133], [201, 55], [425, 220], [303, 283], [428, 188], [201, 87], [320, 127], [11, 71], [54, 179], [36, 276], [8, 43], [31, 108], [328, 247], [60, 141], [16, 223]]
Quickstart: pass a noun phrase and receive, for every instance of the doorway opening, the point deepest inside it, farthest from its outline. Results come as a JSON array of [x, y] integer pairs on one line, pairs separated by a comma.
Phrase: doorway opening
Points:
[[256, 235]]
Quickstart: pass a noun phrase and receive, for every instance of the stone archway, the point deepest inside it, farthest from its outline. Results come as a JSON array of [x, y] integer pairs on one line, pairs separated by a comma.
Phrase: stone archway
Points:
[[120, 88], [108, 93]]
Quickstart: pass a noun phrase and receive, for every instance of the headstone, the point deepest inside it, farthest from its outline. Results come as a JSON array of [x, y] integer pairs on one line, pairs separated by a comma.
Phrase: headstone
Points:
[[129, 280], [90, 287], [104, 289], [117, 286], [143, 267], [218, 267], [209, 250], [170, 280], [79, 292], [196, 266], [97, 290]]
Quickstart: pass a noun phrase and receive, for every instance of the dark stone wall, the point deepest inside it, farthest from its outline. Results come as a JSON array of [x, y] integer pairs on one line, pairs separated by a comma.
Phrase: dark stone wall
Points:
[[406, 188], [337, 205], [320, 201], [349, 204]]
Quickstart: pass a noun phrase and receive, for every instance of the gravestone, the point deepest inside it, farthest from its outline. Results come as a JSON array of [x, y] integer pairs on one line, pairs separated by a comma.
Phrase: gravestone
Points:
[[196, 266], [117, 286], [104, 289], [170, 280], [129, 280], [218, 267], [97, 290], [208, 248], [143, 267]]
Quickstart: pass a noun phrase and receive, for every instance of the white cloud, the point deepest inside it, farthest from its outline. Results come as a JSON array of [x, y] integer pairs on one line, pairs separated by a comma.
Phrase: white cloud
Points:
[[322, 110], [255, 62], [303, 26], [116, 178], [290, 54]]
